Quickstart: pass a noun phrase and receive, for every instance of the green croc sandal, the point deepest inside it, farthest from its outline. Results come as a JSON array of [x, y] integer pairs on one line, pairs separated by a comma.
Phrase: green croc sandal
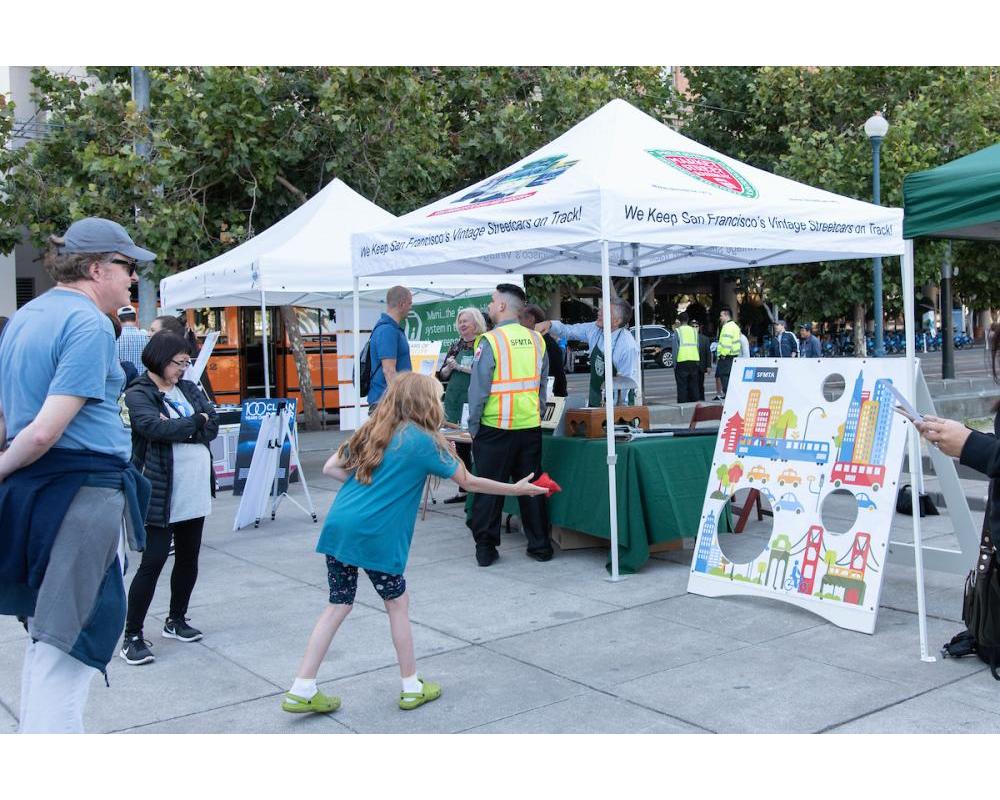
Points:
[[320, 703], [410, 700]]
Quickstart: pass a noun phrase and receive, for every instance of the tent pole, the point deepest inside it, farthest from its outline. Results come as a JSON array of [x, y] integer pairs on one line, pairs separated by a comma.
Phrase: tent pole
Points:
[[609, 406], [916, 465], [263, 327], [637, 298], [357, 352]]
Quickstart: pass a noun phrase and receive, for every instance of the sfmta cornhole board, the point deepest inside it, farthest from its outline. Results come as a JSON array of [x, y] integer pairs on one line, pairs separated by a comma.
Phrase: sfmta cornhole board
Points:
[[799, 430]]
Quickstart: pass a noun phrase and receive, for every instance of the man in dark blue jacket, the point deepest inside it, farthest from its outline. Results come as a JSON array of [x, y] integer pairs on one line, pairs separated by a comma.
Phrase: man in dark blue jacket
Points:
[[784, 344], [65, 475], [809, 346]]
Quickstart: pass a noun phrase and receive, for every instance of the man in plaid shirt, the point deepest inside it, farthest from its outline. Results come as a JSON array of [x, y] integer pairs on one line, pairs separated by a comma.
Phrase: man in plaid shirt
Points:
[[133, 339]]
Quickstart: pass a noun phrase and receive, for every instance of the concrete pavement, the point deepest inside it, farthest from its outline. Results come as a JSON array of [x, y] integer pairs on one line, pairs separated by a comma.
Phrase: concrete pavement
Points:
[[525, 647]]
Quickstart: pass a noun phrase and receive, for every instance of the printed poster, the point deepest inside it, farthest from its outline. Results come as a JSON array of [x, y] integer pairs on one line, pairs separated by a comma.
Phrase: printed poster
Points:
[[820, 442]]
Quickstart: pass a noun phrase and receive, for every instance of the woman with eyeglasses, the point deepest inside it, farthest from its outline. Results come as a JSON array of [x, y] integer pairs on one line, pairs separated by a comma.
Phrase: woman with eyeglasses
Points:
[[172, 425]]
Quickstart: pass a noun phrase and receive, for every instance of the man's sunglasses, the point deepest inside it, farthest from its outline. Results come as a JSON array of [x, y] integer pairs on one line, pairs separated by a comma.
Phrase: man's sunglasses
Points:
[[131, 265]]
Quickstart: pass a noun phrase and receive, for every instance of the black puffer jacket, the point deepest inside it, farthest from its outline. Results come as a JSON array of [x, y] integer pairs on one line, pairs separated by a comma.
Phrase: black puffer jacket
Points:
[[982, 452], [154, 434]]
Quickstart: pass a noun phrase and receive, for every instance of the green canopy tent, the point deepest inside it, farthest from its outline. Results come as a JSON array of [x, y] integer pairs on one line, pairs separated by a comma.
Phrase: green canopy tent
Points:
[[958, 200]]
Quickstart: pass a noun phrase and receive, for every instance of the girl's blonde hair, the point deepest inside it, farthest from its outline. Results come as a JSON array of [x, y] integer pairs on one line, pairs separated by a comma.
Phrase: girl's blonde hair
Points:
[[477, 318], [411, 397]]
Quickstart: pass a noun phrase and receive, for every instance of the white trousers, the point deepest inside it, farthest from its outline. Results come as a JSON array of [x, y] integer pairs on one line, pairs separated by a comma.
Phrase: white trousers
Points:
[[54, 690]]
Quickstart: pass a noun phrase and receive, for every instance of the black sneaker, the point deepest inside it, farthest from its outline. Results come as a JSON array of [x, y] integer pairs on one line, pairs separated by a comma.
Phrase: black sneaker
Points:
[[135, 651], [179, 629], [486, 556]]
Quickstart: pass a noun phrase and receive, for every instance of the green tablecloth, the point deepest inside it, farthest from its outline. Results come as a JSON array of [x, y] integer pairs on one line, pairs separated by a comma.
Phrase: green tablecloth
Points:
[[661, 488]]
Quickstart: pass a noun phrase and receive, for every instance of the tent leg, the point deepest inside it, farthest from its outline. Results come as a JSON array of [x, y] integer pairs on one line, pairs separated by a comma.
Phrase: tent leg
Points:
[[637, 298], [263, 325], [357, 353], [609, 408], [916, 465]]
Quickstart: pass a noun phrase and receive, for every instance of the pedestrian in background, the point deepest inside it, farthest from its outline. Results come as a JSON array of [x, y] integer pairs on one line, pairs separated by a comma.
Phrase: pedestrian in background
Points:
[[132, 339], [172, 426], [687, 360], [784, 345], [530, 316], [727, 350], [178, 328], [389, 350], [809, 346], [457, 371], [704, 357]]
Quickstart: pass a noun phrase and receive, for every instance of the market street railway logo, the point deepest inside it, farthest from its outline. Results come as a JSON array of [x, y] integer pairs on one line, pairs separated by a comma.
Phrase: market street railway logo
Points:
[[511, 186], [708, 170]]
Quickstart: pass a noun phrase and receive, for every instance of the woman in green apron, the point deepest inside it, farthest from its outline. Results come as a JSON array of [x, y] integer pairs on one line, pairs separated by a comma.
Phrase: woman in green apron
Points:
[[457, 372]]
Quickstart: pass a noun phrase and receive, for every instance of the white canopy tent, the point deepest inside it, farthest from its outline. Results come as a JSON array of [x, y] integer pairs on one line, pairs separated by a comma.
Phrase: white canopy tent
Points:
[[305, 260], [620, 194]]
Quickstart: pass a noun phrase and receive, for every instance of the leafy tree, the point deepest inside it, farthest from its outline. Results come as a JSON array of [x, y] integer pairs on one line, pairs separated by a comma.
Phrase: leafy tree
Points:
[[806, 124], [236, 149]]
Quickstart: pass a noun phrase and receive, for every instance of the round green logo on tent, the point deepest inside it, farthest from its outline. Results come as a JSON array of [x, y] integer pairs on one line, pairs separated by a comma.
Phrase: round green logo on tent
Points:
[[708, 170]]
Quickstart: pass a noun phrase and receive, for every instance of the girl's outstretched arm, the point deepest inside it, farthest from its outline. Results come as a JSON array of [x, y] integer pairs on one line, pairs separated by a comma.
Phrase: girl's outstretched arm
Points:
[[334, 467], [473, 483]]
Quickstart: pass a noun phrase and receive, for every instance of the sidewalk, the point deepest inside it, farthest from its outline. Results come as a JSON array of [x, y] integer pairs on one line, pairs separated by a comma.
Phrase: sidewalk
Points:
[[525, 647]]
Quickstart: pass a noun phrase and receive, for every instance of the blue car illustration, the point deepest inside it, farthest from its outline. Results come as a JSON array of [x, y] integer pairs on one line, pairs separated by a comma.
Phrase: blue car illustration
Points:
[[788, 502], [864, 501]]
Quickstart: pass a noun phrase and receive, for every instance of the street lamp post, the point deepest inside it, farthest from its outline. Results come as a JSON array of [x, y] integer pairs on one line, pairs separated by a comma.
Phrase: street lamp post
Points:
[[875, 129]]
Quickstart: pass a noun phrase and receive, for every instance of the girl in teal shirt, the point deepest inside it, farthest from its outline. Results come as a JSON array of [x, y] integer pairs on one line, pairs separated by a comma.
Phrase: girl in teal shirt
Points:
[[370, 525]]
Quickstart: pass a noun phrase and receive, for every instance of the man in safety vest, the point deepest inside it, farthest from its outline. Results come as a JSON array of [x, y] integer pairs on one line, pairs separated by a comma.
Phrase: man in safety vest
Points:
[[728, 349], [687, 361], [506, 394]]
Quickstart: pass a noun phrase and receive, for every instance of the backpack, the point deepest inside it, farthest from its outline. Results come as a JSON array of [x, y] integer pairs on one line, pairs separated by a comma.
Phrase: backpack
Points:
[[365, 365], [981, 606]]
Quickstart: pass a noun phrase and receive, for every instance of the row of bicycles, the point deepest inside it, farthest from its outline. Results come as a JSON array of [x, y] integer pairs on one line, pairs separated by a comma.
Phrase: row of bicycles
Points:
[[842, 344]]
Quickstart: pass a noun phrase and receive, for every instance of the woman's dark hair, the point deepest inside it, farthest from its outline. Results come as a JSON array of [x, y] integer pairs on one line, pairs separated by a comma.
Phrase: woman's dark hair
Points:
[[161, 349]]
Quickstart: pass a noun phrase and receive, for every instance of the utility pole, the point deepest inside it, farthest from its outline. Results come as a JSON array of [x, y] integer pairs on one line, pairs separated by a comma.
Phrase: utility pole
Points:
[[143, 148], [947, 329]]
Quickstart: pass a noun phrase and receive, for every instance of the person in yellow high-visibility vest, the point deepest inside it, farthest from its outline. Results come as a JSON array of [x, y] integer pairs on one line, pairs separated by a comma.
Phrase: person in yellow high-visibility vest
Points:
[[506, 393], [728, 348], [687, 361]]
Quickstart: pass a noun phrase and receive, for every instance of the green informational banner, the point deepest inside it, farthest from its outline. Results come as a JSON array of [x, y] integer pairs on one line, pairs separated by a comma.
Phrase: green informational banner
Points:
[[435, 322]]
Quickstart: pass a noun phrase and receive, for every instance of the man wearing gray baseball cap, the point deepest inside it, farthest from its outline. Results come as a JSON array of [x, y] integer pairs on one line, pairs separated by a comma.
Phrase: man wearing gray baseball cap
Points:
[[66, 478]]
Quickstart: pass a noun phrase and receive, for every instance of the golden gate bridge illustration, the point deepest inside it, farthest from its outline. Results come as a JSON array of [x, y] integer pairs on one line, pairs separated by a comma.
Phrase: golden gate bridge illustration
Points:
[[846, 574]]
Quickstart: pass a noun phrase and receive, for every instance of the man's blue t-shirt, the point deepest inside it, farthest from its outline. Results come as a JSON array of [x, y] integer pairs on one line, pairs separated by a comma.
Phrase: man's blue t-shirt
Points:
[[387, 341], [371, 525], [61, 343]]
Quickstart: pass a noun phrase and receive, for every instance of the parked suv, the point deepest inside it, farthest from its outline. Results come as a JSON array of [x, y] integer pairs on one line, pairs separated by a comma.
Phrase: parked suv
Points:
[[657, 345]]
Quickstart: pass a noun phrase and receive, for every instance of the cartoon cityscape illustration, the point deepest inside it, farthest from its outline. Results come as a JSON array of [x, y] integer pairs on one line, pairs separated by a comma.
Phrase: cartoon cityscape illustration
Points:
[[766, 429]]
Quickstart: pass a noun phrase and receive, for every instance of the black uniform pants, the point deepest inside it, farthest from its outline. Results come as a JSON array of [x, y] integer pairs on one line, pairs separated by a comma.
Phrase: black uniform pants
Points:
[[503, 456], [687, 375], [723, 369]]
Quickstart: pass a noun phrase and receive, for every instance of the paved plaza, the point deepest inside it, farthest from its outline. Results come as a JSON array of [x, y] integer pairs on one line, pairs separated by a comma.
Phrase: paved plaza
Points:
[[526, 647]]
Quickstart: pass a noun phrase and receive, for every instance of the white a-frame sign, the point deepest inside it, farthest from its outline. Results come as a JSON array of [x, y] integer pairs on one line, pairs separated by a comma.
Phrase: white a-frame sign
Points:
[[808, 436]]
